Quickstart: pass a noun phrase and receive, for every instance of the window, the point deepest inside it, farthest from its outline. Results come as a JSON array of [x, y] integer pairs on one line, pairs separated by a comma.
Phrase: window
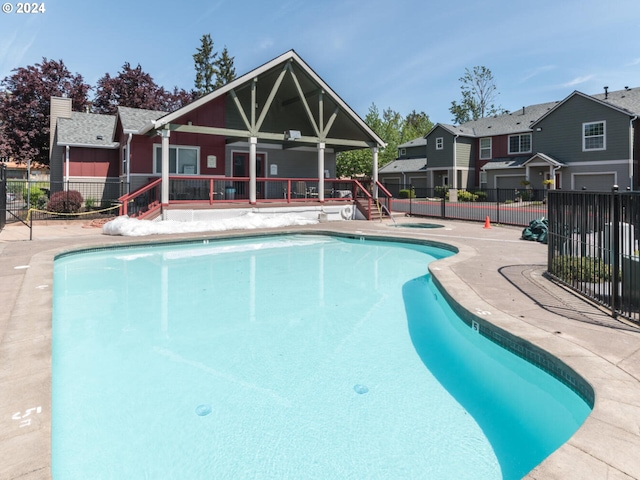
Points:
[[593, 136], [403, 152], [182, 160], [485, 148], [520, 143], [439, 143]]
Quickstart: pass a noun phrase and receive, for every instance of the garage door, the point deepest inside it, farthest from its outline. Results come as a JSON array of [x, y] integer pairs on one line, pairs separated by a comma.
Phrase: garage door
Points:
[[599, 183], [509, 182]]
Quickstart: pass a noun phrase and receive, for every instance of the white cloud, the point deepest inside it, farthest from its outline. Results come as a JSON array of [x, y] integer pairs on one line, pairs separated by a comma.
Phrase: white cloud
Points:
[[578, 81], [538, 71]]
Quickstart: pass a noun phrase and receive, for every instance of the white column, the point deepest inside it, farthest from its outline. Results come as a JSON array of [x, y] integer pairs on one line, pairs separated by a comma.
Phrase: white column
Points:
[[253, 142], [164, 191], [321, 147], [374, 171]]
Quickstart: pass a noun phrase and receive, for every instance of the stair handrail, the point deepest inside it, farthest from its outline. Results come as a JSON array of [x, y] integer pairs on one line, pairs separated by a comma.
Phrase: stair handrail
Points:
[[387, 194], [129, 197], [358, 187]]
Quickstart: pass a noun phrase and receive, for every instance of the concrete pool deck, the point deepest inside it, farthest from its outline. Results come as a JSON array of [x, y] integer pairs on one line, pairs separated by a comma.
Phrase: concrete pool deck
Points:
[[496, 276]]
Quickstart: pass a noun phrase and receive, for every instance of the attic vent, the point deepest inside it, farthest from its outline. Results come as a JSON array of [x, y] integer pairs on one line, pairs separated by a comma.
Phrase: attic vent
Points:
[[99, 137]]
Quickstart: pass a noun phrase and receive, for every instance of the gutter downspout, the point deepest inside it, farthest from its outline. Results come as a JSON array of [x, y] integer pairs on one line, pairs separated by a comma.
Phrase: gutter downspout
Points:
[[631, 120], [66, 168], [129, 163], [454, 174]]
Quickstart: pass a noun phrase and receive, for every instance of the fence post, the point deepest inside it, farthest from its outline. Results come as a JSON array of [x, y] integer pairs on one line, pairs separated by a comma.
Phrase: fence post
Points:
[[615, 247], [497, 205], [410, 200]]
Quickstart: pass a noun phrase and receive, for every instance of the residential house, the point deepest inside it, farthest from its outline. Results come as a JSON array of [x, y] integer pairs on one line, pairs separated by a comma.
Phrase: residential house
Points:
[[280, 120], [582, 142], [408, 169]]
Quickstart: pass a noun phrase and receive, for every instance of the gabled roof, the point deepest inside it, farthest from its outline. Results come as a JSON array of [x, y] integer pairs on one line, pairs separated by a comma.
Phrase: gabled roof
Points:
[[134, 119], [416, 142], [453, 130], [87, 130], [281, 103], [625, 101], [405, 165], [502, 163], [517, 121], [546, 159]]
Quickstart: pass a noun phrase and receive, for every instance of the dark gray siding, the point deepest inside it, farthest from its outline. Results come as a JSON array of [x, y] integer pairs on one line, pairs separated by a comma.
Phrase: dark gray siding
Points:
[[414, 152], [561, 132], [440, 158], [291, 163]]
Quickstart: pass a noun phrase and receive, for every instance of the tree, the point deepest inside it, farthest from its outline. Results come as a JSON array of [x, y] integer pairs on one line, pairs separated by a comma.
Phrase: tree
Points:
[[415, 125], [133, 87], [205, 66], [393, 130], [479, 92], [25, 107], [225, 71], [359, 162]]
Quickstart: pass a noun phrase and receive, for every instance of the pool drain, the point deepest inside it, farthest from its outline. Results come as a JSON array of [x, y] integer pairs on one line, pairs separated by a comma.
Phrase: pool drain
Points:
[[203, 410], [360, 389]]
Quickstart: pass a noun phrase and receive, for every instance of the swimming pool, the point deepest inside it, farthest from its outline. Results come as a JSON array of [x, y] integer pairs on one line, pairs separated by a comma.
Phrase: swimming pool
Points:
[[285, 357]]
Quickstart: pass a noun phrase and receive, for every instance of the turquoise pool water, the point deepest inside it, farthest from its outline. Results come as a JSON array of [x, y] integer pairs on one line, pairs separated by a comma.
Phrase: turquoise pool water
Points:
[[285, 357]]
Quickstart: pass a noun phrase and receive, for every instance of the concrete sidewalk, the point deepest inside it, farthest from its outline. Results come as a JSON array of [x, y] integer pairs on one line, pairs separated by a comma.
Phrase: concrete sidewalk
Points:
[[496, 277]]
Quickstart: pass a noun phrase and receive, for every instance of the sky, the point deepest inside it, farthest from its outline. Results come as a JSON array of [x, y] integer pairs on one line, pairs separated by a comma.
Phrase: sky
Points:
[[400, 54]]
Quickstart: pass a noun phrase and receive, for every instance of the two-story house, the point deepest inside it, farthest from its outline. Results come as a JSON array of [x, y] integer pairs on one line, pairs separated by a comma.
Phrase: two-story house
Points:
[[582, 142], [408, 169]]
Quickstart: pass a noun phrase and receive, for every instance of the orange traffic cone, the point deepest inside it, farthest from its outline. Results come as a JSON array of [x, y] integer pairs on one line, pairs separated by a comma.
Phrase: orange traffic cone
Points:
[[487, 223]]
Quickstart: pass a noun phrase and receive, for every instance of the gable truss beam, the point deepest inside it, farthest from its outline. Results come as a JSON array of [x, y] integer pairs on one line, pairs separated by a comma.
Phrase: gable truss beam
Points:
[[279, 137], [272, 95], [304, 102]]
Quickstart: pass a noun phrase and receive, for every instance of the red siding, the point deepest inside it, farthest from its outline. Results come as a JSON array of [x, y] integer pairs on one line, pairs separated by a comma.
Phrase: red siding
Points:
[[209, 115], [93, 162]]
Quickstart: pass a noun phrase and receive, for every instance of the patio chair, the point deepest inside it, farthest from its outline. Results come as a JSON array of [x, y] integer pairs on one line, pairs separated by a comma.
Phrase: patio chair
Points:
[[300, 189]]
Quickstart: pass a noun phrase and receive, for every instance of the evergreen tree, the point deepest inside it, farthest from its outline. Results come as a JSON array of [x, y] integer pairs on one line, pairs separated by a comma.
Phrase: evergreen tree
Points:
[[225, 71], [205, 65]]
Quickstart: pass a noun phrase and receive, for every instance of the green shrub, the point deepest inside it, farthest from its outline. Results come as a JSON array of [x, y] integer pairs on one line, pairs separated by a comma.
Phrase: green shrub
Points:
[[480, 196], [464, 196], [35, 196], [65, 202], [581, 269], [406, 193], [441, 192]]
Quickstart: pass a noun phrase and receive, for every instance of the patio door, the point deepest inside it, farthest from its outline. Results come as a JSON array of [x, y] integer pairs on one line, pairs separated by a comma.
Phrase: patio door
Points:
[[240, 163]]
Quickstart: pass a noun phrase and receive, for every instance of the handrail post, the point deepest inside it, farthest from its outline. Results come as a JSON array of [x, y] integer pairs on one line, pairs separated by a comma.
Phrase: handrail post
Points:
[[211, 193]]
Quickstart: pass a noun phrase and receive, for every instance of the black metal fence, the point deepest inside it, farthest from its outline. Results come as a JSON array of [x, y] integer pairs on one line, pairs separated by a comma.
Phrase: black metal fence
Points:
[[34, 198], [3, 196], [593, 247], [502, 206]]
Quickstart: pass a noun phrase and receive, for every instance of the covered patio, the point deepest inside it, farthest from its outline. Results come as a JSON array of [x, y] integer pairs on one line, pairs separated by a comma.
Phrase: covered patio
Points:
[[282, 127]]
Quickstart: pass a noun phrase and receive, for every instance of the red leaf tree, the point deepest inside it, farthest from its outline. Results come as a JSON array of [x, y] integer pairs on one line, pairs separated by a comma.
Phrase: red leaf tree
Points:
[[132, 87], [25, 102]]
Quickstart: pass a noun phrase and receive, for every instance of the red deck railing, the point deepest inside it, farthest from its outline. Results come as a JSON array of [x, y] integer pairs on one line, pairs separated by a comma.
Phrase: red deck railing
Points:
[[219, 190]]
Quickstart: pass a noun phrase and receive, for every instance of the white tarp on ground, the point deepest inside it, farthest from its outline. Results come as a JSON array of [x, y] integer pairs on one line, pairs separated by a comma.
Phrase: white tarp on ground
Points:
[[132, 227]]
